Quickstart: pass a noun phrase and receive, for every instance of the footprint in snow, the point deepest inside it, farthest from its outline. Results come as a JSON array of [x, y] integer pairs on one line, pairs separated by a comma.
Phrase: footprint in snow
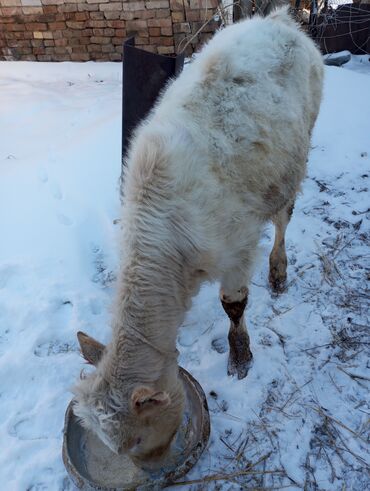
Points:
[[55, 347], [95, 307], [6, 274], [64, 220], [43, 175], [56, 191], [220, 345]]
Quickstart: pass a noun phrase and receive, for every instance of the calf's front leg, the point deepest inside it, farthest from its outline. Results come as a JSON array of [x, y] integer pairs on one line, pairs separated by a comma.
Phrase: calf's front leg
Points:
[[240, 355]]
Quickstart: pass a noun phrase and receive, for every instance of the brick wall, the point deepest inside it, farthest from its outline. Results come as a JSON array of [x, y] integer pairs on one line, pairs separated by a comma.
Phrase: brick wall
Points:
[[82, 30]]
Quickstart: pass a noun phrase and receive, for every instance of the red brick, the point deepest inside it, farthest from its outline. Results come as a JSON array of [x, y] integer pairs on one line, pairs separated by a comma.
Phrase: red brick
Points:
[[88, 8], [138, 14], [50, 9], [69, 8], [44, 18], [76, 25], [61, 58], [26, 51], [166, 31], [150, 48], [36, 26], [85, 40], [178, 17], [14, 27], [32, 10], [43, 57], [120, 32], [115, 57], [95, 55], [192, 15], [79, 49], [107, 48], [54, 26], [74, 41], [182, 27], [206, 14], [162, 13], [82, 16], [97, 15], [117, 40], [164, 50], [60, 50], [80, 57], [154, 31], [157, 4], [17, 43], [10, 11], [100, 40], [37, 43], [159, 22], [98, 32], [114, 6], [49, 42], [98, 23], [128, 15], [52, 2], [136, 24], [116, 24], [94, 47], [16, 35], [112, 15], [176, 5], [39, 50], [131, 6], [109, 32], [61, 42], [141, 40], [58, 34], [161, 41]]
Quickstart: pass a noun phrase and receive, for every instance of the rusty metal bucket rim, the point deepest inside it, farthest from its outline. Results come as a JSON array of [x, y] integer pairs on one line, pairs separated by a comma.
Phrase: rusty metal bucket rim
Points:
[[84, 483]]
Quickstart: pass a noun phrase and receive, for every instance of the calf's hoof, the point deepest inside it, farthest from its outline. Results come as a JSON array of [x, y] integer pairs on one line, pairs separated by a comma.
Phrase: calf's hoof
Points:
[[277, 281], [240, 356], [239, 368]]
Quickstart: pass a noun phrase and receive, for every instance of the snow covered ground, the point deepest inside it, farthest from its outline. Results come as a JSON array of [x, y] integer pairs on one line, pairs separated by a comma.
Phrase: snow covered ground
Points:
[[301, 417]]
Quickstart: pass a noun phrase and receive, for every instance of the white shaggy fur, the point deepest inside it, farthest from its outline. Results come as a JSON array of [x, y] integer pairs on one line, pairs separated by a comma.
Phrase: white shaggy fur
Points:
[[223, 151]]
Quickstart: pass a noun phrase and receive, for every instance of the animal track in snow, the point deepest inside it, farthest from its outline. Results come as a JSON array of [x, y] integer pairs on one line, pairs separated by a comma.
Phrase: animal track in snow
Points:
[[43, 175], [55, 347], [56, 191], [64, 220], [6, 274], [95, 307]]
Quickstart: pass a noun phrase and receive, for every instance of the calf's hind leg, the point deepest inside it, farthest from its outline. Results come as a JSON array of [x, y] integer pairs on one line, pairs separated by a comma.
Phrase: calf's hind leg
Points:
[[278, 259], [234, 301]]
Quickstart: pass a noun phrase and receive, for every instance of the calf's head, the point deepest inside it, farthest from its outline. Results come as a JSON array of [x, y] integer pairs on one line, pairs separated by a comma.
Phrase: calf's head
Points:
[[127, 417]]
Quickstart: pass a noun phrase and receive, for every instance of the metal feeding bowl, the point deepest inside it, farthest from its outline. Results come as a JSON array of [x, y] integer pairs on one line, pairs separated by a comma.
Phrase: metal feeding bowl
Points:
[[93, 466]]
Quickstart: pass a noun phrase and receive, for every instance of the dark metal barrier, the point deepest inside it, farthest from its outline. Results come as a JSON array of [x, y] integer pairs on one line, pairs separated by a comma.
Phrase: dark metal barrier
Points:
[[144, 76]]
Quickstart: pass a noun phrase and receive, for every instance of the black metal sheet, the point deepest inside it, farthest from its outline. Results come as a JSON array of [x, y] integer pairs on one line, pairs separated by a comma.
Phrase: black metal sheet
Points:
[[144, 76]]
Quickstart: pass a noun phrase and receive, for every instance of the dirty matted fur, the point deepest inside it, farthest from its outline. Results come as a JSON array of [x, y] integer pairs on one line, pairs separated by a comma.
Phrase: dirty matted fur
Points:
[[223, 151]]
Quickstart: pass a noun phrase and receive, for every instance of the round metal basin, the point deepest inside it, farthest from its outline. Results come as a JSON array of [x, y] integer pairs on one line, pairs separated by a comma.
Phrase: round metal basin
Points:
[[93, 466]]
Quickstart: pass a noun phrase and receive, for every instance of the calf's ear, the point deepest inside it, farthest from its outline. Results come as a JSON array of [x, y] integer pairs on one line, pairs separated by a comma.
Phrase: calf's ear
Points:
[[146, 401], [91, 349]]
